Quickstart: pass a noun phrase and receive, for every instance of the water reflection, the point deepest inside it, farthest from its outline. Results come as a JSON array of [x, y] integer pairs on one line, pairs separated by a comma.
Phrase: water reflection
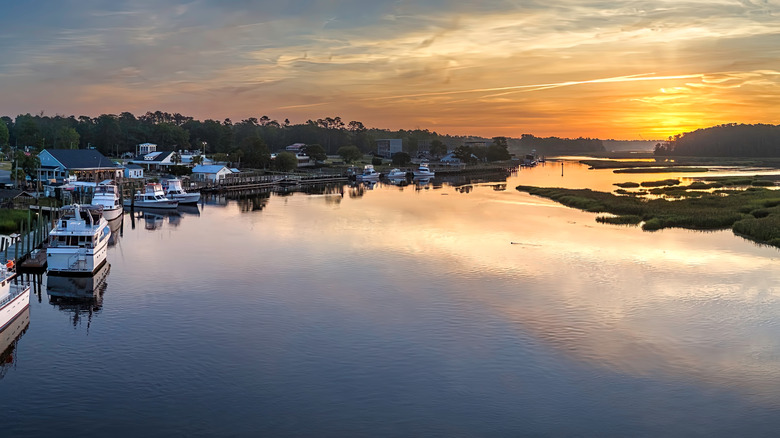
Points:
[[117, 228], [155, 219], [78, 295], [9, 338]]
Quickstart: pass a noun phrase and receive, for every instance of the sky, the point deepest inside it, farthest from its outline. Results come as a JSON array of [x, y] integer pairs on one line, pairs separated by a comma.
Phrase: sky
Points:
[[595, 68]]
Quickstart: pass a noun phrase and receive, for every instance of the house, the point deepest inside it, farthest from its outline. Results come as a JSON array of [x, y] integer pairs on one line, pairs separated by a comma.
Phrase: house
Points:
[[134, 171], [145, 148], [10, 198], [83, 164], [157, 160], [211, 173], [389, 146]]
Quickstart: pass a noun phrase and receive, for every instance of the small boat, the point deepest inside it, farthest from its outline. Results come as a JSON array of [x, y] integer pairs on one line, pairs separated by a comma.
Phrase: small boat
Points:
[[79, 242], [175, 192], [369, 174], [107, 195], [14, 296], [152, 197], [424, 171]]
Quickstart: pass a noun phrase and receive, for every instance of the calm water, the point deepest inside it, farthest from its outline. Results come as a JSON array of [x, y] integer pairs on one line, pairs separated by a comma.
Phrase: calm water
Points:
[[440, 311]]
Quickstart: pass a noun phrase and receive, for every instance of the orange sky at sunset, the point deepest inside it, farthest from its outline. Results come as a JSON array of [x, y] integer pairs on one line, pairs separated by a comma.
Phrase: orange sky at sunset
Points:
[[624, 70]]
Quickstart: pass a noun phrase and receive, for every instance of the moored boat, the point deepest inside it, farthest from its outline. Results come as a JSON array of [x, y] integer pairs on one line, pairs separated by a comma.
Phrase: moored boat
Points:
[[107, 195], [14, 296], [424, 171], [174, 191], [369, 174], [78, 244], [152, 197]]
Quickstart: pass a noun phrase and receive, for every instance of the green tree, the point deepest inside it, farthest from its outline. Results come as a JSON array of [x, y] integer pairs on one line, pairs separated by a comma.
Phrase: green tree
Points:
[[315, 152], [197, 159], [350, 153], [4, 135], [285, 161], [28, 163], [69, 137], [464, 154], [256, 153], [438, 149], [401, 159]]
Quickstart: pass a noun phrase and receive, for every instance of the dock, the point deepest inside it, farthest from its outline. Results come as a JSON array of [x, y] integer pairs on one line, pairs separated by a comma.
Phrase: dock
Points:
[[20, 247]]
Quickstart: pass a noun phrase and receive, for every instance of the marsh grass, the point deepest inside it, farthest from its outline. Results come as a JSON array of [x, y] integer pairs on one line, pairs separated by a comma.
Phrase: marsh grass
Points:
[[11, 220], [755, 210]]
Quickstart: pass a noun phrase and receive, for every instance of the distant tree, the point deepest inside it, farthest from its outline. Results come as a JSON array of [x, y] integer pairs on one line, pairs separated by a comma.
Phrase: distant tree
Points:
[[177, 170], [438, 149], [316, 152], [285, 161], [68, 137], [350, 153], [464, 154], [197, 159], [401, 159], [256, 153], [4, 135], [376, 161]]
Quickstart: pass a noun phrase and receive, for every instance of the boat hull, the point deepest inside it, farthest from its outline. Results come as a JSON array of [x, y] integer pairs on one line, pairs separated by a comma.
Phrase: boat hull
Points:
[[13, 308], [112, 213], [76, 261], [186, 198], [160, 204]]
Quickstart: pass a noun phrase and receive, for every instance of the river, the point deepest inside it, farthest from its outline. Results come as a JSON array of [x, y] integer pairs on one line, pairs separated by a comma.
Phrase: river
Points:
[[441, 310]]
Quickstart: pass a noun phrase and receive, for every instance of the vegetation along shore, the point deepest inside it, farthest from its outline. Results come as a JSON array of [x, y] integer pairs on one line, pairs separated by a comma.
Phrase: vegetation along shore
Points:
[[745, 206]]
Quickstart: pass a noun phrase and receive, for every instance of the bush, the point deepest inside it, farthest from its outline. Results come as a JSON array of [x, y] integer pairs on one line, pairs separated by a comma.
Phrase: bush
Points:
[[376, 161]]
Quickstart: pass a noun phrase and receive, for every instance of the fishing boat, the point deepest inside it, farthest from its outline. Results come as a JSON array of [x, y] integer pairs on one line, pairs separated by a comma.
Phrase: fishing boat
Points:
[[14, 296], [174, 191], [79, 242], [397, 174], [369, 174], [424, 171], [152, 197], [107, 195]]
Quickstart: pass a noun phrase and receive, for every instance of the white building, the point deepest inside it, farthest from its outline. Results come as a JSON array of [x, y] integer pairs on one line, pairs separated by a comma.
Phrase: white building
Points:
[[212, 172], [145, 148], [134, 171], [386, 147]]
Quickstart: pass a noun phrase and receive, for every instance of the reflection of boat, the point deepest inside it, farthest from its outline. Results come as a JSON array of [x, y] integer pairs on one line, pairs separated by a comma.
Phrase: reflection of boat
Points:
[[115, 226], [79, 295], [9, 337], [424, 171], [154, 218], [107, 195], [64, 288], [14, 295], [152, 197], [174, 191], [78, 244], [369, 174], [191, 209]]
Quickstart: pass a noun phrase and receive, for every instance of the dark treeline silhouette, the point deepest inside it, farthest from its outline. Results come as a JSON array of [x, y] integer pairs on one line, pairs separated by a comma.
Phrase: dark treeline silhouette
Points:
[[555, 145], [114, 135], [729, 140]]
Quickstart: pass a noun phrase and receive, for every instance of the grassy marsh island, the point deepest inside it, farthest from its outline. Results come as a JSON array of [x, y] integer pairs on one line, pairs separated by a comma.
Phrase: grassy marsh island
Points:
[[752, 212]]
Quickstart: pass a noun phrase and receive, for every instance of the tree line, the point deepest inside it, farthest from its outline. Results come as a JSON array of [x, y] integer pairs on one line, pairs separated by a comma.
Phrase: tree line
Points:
[[555, 145], [114, 135], [727, 140]]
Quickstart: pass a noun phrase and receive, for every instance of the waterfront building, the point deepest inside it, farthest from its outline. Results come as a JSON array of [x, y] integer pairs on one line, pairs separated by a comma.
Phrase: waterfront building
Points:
[[211, 173], [388, 146], [80, 164]]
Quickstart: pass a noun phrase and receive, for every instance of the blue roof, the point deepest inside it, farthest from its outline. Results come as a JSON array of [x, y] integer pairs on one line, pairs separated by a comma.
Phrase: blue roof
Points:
[[209, 168]]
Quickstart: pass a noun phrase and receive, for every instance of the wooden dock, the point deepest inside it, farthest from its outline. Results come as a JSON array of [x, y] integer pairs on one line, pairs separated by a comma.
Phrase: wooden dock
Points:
[[34, 234]]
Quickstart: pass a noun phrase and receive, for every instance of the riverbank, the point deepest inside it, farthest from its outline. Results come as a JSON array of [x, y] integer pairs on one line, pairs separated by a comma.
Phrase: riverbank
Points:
[[753, 213]]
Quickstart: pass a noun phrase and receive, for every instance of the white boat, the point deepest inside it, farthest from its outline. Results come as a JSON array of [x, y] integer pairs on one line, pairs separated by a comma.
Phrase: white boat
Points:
[[397, 174], [79, 242], [369, 174], [424, 171], [107, 195], [175, 192], [152, 197], [14, 296]]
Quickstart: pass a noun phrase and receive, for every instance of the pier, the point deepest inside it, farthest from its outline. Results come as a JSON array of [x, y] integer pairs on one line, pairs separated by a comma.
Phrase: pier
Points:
[[21, 247]]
